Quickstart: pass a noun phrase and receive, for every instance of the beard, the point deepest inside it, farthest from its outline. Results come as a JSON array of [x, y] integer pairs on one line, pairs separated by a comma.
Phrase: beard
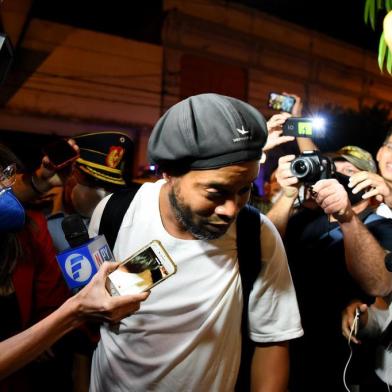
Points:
[[191, 222]]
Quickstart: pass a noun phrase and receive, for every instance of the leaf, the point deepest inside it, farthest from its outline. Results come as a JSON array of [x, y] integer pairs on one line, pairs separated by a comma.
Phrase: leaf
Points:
[[388, 5], [366, 11], [379, 4], [389, 61], [382, 47], [372, 14]]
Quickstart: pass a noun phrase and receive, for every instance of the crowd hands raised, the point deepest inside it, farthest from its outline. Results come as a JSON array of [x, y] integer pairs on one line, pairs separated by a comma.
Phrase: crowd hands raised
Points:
[[359, 199]]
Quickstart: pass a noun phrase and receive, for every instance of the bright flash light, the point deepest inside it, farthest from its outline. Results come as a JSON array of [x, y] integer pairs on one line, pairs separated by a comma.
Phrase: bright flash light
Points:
[[318, 123], [152, 167]]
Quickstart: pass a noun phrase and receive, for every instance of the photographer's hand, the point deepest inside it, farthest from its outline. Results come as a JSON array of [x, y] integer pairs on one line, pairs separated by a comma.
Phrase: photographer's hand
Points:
[[331, 196], [288, 182], [378, 187], [275, 129], [298, 106]]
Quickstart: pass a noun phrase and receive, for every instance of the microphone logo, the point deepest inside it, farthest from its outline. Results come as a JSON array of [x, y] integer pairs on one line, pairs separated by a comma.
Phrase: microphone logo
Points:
[[78, 267]]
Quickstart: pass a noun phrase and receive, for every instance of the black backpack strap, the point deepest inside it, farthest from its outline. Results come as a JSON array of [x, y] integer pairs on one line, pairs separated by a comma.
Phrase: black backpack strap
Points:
[[113, 213], [249, 259]]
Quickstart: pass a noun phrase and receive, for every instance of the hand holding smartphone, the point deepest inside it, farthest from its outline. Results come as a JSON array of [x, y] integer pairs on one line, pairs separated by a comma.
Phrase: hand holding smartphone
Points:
[[60, 153], [145, 269]]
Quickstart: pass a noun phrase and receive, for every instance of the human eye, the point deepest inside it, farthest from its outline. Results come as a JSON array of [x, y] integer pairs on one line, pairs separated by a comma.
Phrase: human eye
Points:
[[349, 172], [244, 190]]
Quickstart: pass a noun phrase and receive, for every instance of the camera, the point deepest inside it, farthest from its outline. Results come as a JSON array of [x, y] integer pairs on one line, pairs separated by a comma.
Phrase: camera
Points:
[[310, 127], [311, 166]]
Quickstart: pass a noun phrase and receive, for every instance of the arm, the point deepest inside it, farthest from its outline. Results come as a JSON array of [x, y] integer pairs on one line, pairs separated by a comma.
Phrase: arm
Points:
[[365, 258], [270, 368], [306, 144], [281, 210], [363, 254], [93, 302]]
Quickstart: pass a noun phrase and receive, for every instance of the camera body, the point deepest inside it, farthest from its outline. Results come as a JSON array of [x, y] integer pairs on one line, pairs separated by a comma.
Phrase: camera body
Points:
[[311, 166]]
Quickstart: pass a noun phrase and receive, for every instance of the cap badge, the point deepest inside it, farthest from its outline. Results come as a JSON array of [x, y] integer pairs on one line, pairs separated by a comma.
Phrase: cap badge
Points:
[[242, 130], [114, 156]]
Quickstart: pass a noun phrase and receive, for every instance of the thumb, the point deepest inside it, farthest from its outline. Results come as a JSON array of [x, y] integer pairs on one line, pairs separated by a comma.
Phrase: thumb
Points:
[[363, 308], [107, 267]]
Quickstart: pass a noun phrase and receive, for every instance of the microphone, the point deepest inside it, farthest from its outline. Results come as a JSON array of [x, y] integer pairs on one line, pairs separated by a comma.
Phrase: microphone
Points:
[[81, 261], [75, 231]]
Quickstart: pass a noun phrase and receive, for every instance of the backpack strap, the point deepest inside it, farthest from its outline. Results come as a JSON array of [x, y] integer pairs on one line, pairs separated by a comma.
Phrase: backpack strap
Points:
[[113, 213], [249, 260]]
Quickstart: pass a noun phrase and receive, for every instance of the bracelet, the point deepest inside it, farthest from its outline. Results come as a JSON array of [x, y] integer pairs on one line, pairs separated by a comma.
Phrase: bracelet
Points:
[[34, 186]]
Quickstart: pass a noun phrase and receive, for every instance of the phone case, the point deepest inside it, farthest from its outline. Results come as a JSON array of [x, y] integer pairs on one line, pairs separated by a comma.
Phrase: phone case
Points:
[[142, 271]]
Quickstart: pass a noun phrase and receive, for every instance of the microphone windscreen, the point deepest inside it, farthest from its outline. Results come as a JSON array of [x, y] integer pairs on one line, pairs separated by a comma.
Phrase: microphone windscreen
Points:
[[75, 230]]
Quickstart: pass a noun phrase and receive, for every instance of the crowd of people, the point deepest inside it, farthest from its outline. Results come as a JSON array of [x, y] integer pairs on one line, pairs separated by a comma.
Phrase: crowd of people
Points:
[[322, 255]]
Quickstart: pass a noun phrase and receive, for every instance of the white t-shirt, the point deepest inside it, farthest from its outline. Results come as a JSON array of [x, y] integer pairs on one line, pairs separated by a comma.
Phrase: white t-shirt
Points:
[[186, 335]]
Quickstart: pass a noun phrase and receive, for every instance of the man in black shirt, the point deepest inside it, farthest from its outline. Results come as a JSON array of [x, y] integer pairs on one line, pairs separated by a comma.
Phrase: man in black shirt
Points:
[[332, 228]]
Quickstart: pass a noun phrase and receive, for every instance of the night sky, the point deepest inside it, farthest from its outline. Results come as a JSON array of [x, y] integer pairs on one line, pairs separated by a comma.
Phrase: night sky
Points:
[[142, 20]]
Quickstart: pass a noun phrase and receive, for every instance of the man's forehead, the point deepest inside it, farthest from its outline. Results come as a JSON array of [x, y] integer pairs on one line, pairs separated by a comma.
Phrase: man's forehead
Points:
[[242, 172], [343, 164]]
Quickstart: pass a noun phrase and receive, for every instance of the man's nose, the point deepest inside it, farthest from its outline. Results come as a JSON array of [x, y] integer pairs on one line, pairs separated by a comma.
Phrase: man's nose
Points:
[[229, 208]]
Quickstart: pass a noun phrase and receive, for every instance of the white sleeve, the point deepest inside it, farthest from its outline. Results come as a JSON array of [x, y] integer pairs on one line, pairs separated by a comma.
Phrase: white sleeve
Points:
[[93, 227], [378, 320], [273, 308]]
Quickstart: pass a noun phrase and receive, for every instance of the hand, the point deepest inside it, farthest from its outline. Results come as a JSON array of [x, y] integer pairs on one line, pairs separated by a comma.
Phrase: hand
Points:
[[288, 182], [348, 316], [331, 196], [378, 187], [47, 177], [95, 302], [297, 108], [275, 129]]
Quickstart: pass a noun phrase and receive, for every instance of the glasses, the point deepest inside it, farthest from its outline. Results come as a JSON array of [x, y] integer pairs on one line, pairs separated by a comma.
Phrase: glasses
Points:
[[7, 176]]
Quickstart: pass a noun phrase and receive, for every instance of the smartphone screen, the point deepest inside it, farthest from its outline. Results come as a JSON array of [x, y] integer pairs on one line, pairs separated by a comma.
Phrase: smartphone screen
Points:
[[142, 271], [60, 153], [280, 102]]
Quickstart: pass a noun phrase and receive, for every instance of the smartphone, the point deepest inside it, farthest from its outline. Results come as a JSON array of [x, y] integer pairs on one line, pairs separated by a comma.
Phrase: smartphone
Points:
[[60, 153], [284, 103], [311, 127], [143, 270]]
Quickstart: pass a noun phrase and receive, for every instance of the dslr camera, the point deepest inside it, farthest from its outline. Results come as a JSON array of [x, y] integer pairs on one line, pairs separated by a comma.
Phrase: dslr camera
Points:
[[311, 166]]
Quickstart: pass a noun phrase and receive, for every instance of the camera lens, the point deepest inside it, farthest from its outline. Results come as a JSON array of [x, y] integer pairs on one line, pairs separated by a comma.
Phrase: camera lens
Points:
[[300, 167]]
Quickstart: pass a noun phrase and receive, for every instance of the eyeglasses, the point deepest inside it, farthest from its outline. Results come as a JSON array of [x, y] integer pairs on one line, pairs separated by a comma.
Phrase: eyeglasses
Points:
[[7, 176]]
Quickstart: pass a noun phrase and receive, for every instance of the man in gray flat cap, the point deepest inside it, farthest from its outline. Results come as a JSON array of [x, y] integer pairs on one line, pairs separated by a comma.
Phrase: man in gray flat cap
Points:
[[187, 334]]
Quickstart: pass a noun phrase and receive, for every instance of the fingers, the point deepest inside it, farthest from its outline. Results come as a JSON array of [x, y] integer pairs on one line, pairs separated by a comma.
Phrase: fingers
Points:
[[123, 306], [107, 267], [374, 185], [331, 196], [276, 121]]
